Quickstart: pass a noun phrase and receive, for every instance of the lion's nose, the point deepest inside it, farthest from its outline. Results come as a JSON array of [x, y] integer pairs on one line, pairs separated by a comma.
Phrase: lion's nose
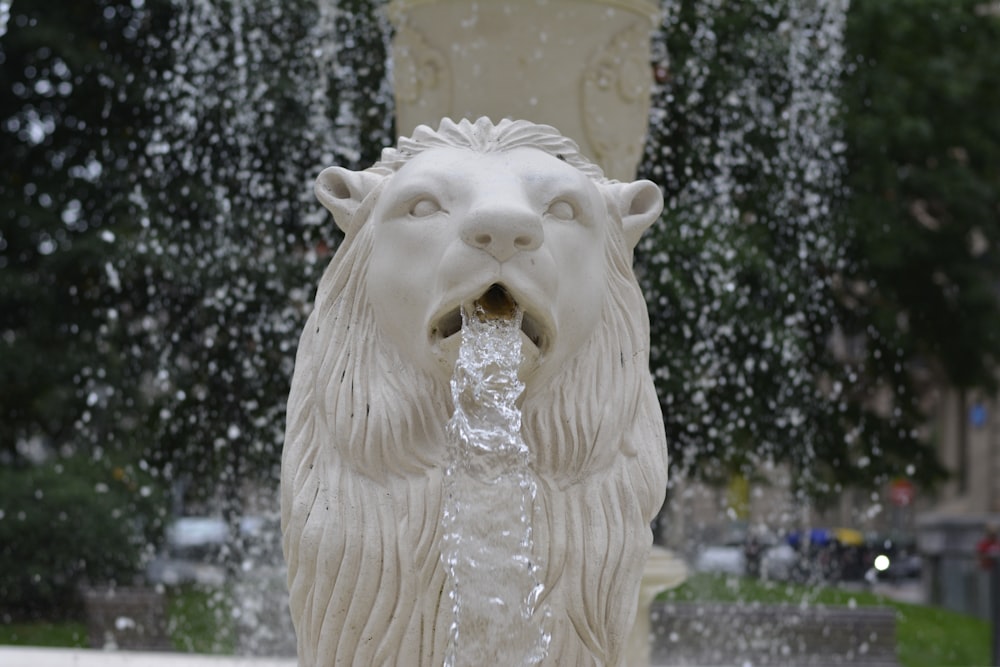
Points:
[[503, 230]]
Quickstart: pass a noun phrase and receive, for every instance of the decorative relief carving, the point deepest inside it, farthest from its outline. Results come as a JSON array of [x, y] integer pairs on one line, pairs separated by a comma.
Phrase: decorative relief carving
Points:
[[422, 79], [616, 99]]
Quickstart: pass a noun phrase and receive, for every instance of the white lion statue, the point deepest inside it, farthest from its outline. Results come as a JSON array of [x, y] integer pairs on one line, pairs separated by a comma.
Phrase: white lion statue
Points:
[[441, 219]]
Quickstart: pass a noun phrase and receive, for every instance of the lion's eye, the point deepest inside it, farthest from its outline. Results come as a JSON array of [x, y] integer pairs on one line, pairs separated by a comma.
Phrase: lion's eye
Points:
[[562, 210], [424, 207]]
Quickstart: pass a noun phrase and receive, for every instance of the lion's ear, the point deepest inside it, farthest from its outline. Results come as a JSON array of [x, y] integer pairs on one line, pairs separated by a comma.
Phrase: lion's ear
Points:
[[342, 191], [640, 204]]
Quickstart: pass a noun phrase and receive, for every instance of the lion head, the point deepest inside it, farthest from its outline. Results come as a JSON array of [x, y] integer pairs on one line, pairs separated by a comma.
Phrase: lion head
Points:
[[514, 212]]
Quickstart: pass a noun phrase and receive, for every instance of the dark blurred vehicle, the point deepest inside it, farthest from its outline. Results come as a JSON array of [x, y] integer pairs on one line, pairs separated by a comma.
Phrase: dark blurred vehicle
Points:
[[779, 562], [196, 537], [893, 559], [818, 555], [735, 548], [722, 559]]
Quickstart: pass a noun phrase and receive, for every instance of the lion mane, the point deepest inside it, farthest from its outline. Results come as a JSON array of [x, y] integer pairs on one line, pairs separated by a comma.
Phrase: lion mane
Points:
[[363, 462]]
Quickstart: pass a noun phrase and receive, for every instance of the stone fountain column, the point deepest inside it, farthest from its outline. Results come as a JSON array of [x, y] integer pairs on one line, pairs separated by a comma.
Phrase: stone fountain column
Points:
[[582, 66]]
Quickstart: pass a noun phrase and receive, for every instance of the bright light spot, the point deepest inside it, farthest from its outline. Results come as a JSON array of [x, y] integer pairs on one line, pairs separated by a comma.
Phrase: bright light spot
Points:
[[4, 15], [881, 562], [114, 280], [47, 246], [124, 623], [71, 214]]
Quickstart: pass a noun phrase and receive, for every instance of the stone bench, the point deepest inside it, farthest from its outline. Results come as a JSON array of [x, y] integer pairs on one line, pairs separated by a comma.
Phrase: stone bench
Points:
[[771, 635], [127, 618]]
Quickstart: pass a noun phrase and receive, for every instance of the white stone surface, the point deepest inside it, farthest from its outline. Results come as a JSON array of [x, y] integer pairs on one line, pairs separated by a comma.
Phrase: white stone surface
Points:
[[664, 570], [442, 218], [17, 656], [582, 66]]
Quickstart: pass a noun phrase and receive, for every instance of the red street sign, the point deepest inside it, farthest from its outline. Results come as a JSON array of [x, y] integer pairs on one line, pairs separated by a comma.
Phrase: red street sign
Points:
[[901, 492]]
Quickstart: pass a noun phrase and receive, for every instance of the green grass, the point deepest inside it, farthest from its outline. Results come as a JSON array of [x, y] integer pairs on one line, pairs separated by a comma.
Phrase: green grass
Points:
[[925, 636], [200, 621], [43, 633]]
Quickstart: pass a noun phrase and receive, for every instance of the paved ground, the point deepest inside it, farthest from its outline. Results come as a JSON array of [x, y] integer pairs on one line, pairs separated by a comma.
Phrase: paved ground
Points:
[[13, 656], [911, 591]]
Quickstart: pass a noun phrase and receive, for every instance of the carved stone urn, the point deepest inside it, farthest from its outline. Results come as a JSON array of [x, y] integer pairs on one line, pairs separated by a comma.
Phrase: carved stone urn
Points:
[[582, 66]]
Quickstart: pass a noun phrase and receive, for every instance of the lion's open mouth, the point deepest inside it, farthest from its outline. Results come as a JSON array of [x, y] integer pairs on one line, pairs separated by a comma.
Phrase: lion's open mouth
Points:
[[496, 303]]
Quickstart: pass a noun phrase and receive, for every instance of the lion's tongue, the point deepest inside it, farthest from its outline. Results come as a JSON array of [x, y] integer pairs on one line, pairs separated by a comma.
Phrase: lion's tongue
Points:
[[496, 304]]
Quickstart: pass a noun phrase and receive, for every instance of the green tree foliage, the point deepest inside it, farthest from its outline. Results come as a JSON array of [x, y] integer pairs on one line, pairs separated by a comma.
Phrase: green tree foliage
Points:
[[162, 238], [923, 129], [360, 91], [228, 237], [921, 298], [68, 524], [72, 114], [811, 336], [740, 273]]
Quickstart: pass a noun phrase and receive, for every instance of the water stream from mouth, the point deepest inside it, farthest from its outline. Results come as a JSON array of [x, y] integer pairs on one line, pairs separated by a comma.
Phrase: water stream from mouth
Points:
[[493, 582]]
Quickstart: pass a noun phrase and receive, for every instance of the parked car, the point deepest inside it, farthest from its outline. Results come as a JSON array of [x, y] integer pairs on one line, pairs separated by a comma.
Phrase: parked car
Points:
[[722, 558], [196, 537], [893, 559], [193, 549], [817, 554], [779, 563]]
